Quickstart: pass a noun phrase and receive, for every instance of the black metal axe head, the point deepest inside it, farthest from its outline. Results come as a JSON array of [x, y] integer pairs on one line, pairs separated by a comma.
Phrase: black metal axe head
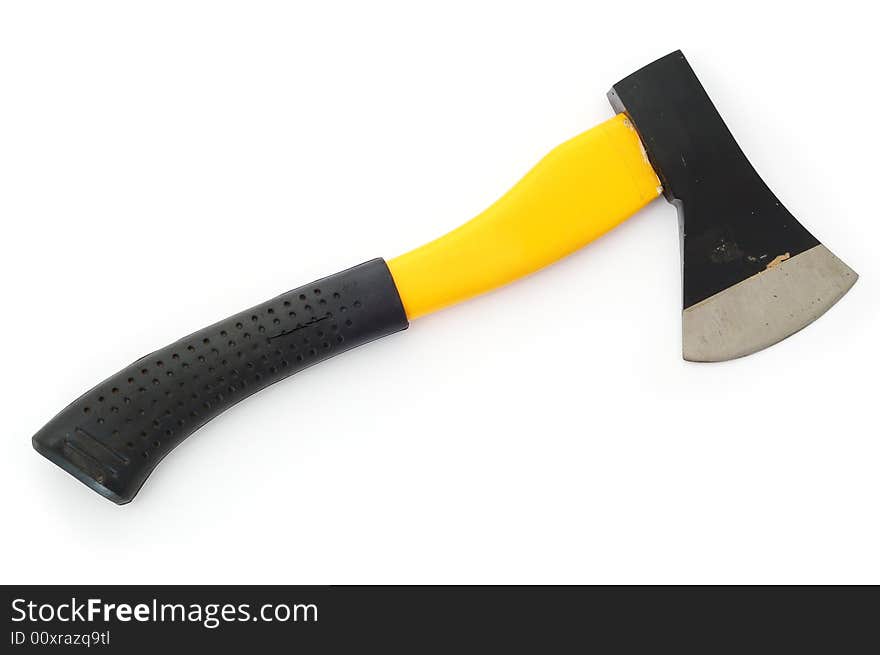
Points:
[[752, 275]]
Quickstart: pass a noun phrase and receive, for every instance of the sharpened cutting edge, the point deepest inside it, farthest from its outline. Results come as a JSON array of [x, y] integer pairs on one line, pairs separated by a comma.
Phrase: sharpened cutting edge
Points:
[[765, 308]]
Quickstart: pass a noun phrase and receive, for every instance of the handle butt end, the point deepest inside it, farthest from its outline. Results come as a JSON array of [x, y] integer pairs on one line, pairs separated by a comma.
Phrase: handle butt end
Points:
[[113, 436]]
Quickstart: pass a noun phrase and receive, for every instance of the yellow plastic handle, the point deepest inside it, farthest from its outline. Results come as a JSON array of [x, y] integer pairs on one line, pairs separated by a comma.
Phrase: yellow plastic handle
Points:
[[579, 191]]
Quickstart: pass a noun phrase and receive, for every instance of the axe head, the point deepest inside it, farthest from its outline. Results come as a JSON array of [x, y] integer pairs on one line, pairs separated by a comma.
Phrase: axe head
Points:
[[752, 274]]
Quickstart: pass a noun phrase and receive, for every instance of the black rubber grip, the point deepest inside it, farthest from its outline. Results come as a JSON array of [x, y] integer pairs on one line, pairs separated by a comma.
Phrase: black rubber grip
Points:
[[113, 436]]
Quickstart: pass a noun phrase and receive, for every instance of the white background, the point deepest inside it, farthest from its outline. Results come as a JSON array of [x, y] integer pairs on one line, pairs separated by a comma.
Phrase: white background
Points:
[[166, 164]]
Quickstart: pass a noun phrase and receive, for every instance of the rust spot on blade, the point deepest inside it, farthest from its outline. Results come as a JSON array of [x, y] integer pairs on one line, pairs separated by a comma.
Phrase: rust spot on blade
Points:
[[779, 259]]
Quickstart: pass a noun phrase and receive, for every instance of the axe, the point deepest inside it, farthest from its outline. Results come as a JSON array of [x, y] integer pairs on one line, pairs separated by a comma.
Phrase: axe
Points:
[[752, 275]]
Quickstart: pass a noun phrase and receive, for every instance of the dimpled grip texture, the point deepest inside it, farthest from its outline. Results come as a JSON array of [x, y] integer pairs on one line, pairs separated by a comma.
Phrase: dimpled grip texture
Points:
[[113, 436]]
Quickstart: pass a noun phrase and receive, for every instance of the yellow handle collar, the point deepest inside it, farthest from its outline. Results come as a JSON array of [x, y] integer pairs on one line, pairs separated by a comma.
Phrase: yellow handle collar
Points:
[[579, 191]]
